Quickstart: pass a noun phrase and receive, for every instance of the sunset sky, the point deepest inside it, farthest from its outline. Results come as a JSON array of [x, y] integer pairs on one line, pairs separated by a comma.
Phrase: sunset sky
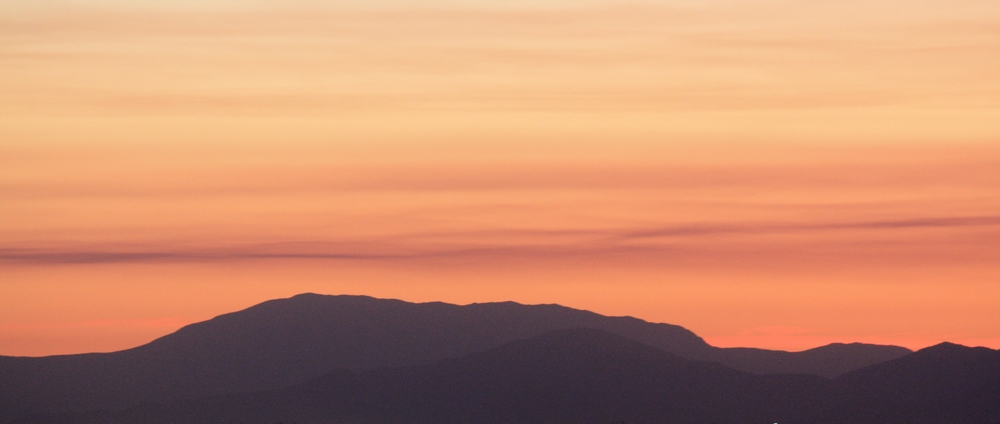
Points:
[[780, 174]]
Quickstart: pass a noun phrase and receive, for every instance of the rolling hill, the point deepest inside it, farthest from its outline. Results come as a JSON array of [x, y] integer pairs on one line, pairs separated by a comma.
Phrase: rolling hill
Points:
[[288, 341], [588, 376]]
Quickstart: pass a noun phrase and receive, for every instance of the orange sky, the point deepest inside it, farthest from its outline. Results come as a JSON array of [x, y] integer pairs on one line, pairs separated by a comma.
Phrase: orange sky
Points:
[[777, 174]]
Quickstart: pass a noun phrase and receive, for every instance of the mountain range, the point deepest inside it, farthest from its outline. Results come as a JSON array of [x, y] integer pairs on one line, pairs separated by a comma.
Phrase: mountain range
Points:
[[314, 358]]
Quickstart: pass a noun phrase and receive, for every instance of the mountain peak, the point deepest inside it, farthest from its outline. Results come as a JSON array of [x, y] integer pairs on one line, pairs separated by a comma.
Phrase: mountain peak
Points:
[[954, 349], [947, 346], [287, 341]]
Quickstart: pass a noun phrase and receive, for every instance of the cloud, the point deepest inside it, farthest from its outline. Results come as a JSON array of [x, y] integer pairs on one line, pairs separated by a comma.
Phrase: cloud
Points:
[[604, 58], [703, 241], [156, 172], [946, 222]]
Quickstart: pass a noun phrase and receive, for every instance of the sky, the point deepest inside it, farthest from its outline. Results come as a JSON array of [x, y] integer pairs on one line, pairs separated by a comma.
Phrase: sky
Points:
[[777, 174]]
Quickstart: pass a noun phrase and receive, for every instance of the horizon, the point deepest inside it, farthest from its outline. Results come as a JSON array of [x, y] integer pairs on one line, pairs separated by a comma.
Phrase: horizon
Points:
[[477, 303], [776, 175]]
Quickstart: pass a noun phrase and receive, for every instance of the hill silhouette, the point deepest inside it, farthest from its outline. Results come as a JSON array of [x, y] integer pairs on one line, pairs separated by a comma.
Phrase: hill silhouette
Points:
[[590, 376], [573, 375], [287, 341], [946, 383]]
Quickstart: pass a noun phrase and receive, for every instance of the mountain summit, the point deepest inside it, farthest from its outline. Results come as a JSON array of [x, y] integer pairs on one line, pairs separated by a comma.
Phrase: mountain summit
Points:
[[284, 342], [583, 375]]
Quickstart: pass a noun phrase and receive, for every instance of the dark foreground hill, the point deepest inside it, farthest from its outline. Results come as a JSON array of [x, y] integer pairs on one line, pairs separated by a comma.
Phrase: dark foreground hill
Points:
[[946, 383], [567, 376], [288, 341], [588, 376]]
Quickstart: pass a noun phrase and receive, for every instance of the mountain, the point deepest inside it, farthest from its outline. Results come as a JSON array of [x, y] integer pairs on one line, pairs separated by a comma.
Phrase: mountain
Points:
[[946, 383], [828, 361], [566, 376], [287, 341], [590, 376]]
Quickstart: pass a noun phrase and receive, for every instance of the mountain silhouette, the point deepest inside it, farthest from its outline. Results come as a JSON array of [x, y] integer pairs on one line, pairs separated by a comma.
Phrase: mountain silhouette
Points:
[[572, 375], [591, 376], [287, 341], [946, 383]]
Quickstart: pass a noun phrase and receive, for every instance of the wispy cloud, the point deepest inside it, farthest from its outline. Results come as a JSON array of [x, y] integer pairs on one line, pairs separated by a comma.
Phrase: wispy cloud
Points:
[[699, 239], [594, 58], [695, 230]]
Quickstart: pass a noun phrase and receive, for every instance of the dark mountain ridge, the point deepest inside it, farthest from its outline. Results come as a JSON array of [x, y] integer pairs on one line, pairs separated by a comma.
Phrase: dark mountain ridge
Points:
[[287, 341], [572, 375], [945, 383], [589, 376]]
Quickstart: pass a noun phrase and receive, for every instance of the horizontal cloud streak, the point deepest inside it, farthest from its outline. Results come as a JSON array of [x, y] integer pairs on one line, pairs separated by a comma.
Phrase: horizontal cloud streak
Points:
[[596, 58], [539, 245], [982, 221], [109, 177]]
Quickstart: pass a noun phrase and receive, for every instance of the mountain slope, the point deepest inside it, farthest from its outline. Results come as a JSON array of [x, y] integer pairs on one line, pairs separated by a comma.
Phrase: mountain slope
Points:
[[574, 375], [940, 384], [287, 341], [589, 376], [828, 361]]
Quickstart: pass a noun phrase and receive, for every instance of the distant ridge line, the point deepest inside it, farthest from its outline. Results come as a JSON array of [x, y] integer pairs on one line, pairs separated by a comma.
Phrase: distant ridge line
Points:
[[283, 342]]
